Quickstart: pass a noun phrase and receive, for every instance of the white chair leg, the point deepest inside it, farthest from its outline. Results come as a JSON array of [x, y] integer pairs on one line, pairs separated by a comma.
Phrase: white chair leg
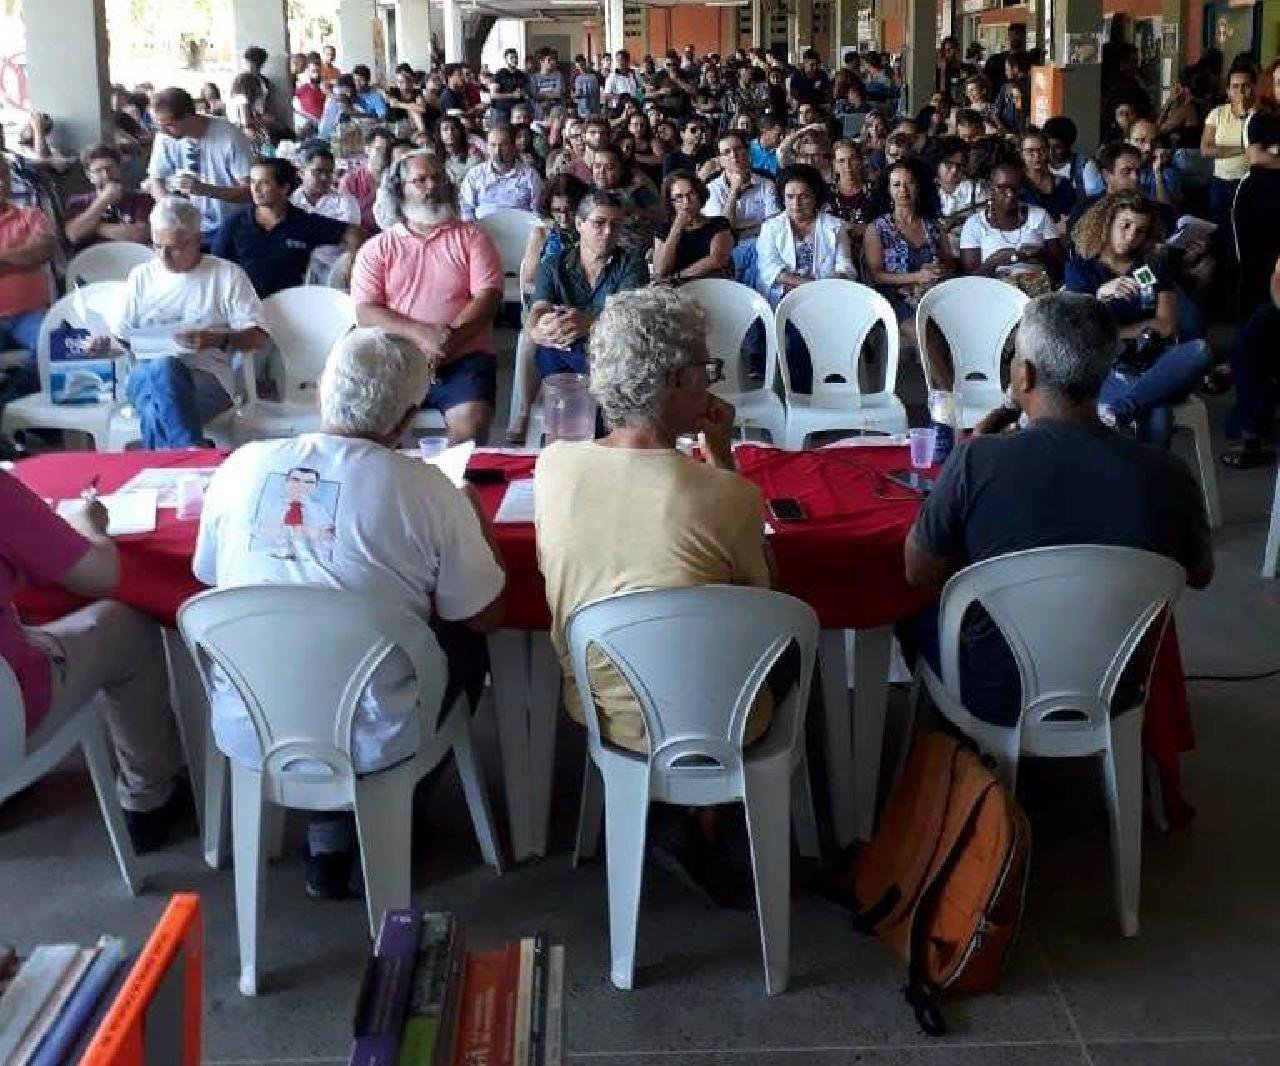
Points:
[[838, 742], [803, 814], [98, 758], [1194, 416], [250, 862], [1123, 770], [626, 812], [473, 787], [768, 827], [1269, 557], [384, 824], [590, 813], [216, 770]]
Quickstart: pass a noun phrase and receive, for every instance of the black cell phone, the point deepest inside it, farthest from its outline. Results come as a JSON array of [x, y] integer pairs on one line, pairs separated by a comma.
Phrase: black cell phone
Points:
[[485, 475], [912, 480], [786, 509]]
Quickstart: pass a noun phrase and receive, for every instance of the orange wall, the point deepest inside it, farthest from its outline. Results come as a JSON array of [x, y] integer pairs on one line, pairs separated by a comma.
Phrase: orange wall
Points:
[[708, 29]]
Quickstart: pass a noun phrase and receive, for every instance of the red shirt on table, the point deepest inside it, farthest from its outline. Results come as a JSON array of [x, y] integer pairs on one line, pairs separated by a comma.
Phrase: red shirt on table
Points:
[[23, 290], [429, 279], [38, 546]]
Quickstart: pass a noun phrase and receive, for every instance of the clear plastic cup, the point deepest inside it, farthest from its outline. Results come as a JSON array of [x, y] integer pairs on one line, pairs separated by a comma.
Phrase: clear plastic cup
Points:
[[190, 494], [430, 447], [921, 442]]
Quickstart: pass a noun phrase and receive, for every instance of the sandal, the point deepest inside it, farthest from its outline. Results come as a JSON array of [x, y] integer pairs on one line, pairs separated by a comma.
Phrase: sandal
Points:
[[1248, 456]]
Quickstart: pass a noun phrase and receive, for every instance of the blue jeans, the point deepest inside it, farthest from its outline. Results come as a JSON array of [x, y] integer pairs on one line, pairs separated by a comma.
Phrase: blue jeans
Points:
[[1254, 365], [174, 402], [22, 331], [1145, 399]]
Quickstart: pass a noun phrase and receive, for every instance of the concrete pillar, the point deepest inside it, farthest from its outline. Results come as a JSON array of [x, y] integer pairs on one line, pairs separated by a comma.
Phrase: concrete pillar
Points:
[[356, 43], [265, 23], [614, 26], [800, 22], [67, 56], [1082, 85], [413, 33], [454, 47], [759, 17], [1173, 51], [921, 56]]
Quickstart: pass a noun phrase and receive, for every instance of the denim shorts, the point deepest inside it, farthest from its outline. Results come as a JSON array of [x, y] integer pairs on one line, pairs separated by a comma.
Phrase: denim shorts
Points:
[[466, 380]]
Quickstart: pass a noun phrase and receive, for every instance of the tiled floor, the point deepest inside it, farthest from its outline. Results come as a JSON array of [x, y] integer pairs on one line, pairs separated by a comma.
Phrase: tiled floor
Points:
[[1199, 986]]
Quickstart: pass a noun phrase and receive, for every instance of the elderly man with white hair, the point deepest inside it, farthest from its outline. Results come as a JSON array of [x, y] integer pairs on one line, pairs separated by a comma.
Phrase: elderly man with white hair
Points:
[[343, 508], [436, 282], [185, 314]]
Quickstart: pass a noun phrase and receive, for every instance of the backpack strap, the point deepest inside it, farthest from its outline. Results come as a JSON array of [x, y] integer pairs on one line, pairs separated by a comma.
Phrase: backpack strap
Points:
[[920, 995]]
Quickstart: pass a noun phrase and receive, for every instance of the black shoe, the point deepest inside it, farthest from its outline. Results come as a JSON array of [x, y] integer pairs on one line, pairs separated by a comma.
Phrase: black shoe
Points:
[[329, 875], [151, 830]]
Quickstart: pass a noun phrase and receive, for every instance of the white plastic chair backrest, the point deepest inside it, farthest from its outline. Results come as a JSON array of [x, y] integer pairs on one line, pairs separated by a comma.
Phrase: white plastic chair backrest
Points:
[[300, 657], [732, 309], [96, 307], [976, 316], [1072, 616], [695, 659], [13, 724], [834, 316], [509, 227], [107, 261], [305, 322]]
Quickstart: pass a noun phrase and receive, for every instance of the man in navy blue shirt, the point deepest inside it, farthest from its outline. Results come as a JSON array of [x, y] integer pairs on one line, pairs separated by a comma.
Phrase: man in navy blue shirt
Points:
[[273, 242]]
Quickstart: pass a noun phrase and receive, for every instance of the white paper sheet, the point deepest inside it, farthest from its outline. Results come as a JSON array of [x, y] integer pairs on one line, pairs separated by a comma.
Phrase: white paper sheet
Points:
[[163, 480], [517, 503], [127, 512], [452, 462]]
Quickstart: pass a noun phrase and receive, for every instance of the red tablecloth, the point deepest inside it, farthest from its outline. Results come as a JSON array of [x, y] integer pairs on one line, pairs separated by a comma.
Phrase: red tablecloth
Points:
[[845, 558]]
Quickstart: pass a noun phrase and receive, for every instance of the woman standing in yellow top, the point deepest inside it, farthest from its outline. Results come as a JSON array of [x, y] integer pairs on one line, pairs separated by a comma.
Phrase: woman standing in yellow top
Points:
[[1223, 141]]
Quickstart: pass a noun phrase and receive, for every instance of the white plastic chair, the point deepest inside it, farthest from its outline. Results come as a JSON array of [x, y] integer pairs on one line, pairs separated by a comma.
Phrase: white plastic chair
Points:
[[24, 760], [261, 636], [976, 317], [305, 322], [834, 316], [509, 229], [696, 658], [732, 309], [1272, 551], [107, 261], [92, 306], [1073, 617], [536, 427], [1192, 416]]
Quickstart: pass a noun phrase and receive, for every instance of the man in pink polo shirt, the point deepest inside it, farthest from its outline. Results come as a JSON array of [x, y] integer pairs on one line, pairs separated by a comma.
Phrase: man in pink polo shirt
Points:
[[436, 282], [104, 647], [26, 246]]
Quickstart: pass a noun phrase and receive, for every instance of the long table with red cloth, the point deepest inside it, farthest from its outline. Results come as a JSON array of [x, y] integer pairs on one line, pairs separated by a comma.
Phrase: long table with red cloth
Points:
[[845, 558]]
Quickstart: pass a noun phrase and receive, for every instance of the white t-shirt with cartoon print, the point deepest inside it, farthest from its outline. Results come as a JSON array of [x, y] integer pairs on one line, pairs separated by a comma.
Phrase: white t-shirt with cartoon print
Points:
[[351, 514]]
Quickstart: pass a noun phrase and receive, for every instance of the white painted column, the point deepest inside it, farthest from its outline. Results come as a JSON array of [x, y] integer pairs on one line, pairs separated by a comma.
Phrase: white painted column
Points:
[[922, 52], [614, 31], [67, 58], [454, 50], [413, 33], [759, 17], [356, 42], [801, 26], [265, 23]]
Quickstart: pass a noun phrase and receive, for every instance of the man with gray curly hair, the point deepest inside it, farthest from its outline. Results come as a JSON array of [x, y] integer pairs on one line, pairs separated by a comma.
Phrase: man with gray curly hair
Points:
[[680, 521], [343, 508], [436, 282]]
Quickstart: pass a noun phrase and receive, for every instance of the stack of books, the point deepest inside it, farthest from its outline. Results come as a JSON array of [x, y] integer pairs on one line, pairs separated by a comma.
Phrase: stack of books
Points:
[[52, 999], [427, 1001], [91, 1005]]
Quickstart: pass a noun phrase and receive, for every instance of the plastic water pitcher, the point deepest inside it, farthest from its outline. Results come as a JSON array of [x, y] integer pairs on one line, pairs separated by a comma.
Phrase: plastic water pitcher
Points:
[[570, 412]]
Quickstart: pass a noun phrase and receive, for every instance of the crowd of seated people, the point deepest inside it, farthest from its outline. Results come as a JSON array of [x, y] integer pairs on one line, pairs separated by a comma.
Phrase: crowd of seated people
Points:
[[738, 166]]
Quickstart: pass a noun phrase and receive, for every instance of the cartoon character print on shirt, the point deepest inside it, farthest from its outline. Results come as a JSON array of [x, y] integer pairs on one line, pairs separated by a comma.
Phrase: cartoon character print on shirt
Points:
[[296, 515]]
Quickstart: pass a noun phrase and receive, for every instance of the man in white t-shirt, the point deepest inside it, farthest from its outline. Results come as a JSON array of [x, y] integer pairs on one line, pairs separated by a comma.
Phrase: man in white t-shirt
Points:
[[201, 156], [623, 81], [184, 315], [342, 508]]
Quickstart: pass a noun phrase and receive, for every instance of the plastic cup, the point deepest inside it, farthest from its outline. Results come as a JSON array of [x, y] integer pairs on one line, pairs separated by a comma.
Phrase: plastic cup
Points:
[[921, 442], [430, 447], [190, 493]]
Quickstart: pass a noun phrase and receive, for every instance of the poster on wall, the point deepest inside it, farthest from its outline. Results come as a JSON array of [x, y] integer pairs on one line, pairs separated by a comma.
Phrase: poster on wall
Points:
[[1232, 30], [1081, 49]]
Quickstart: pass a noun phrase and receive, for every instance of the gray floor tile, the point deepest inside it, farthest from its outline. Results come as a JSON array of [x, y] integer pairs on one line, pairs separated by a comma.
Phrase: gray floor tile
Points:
[[1187, 1053], [1038, 1054]]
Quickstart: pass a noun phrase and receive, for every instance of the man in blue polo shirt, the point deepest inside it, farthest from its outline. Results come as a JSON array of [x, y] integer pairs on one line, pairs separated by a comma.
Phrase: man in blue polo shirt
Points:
[[274, 241]]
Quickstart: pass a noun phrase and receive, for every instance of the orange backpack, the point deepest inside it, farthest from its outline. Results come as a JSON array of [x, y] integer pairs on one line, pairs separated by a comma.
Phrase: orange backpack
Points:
[[942, 883]]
